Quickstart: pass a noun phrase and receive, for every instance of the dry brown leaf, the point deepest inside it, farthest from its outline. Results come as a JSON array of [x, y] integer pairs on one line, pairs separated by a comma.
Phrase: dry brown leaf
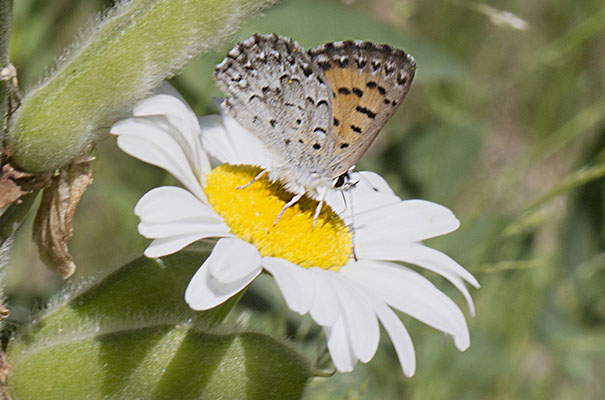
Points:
[[15, 183], [53, 224]]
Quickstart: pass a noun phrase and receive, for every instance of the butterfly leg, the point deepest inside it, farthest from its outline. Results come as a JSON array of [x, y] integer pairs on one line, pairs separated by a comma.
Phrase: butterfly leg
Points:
[[322, 195], [288, 204], [317, 211], [257, 177]]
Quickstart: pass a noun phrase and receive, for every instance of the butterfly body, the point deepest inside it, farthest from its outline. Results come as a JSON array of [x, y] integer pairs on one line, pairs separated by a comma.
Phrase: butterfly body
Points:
[[317, 112]]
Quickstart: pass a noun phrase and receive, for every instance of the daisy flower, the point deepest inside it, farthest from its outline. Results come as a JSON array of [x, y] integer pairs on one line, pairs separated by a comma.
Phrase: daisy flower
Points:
[[347, 292]]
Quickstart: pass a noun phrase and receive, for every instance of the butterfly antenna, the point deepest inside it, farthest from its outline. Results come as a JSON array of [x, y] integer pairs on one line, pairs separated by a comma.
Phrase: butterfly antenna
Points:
[[288, 204], [374, 188], [257, 177]]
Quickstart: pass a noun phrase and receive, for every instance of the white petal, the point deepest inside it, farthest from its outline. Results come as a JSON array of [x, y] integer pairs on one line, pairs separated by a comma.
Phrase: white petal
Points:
[[183, 119], [227, 141], [371, 192], [360, 321], [170, 203], [404, 222], [233, 259], [371, 180], [171, 211], [205, 292], [399, 335], [168, 89], [413, 294], [197, 227], [216, 140], [151, 140], [295, 283], [248, 148], [326, 308], [424, 257], [164, 246], [338, 345]]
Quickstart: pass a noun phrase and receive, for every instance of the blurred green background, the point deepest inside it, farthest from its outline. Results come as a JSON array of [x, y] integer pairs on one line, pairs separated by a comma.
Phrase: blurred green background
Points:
[[505, 125]]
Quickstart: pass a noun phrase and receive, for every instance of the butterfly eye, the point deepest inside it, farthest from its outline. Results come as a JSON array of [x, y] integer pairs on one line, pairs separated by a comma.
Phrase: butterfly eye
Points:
[[340, 181]]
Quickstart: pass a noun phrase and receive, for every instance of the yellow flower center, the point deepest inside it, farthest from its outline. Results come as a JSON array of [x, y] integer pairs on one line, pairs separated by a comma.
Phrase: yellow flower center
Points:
[[250, 212]]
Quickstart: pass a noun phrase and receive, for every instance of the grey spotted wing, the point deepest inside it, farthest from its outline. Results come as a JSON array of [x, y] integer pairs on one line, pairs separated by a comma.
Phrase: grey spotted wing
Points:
[[369, 81], [276, 92]]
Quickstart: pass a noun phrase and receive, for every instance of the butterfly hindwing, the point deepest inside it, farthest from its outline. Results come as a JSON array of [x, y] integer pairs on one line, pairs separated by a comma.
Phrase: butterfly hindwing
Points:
[[369, 82], [275, 90]]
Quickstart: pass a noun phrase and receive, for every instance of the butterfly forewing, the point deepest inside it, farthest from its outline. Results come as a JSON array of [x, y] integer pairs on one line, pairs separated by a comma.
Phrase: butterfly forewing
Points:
[[369, 82], [276, 91]]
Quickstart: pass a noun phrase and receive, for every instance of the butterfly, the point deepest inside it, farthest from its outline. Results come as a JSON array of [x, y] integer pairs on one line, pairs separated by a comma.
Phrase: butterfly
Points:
[[316, 111]]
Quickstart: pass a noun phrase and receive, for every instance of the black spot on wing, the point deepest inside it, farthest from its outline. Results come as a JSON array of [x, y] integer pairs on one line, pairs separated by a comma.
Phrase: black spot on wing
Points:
[[358, 92], [344, 90], [317, 146], [361, 63], [307, 70], [325, 65], [371, 84], [402, 79], [344, 145], [343, 62], [336, 122], [356, 128], [366, 111]]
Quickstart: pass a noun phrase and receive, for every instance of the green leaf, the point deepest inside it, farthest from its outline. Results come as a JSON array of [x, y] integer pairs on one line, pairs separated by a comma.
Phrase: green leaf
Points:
[[132, 336], [130, 52]]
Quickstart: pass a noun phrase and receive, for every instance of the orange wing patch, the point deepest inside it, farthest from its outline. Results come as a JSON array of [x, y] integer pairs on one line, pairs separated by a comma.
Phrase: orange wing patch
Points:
[[357, 103], [368, 83]]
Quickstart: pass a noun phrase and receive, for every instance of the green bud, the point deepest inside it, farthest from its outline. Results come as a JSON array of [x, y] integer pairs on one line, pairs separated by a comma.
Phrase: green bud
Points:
[[132, 336], [129, 52]]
